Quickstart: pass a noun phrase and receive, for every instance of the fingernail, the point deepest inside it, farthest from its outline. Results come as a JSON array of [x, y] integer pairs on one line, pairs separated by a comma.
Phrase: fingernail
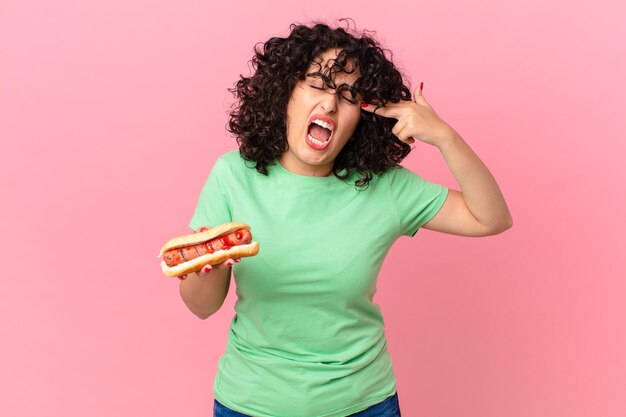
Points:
[[229, 262], [364, 105], [237, 260], [422, 86], [182, 278], [207, 269]]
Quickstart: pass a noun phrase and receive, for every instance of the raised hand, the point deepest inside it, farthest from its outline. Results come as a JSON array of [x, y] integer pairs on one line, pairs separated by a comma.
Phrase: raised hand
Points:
[[416, 119]]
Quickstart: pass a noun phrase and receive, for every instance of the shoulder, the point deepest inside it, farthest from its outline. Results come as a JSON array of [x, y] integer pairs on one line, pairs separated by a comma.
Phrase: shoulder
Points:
[[410, 188], [398, 170], [233, 169], [229, 158], [234, 158], [230, 161], [399, 175]]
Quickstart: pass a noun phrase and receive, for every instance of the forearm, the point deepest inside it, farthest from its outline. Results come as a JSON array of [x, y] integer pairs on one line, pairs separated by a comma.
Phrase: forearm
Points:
[[205, 295], [480, 190]]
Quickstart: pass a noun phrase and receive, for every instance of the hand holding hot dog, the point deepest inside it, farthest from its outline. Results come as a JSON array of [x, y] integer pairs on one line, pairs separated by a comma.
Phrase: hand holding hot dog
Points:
[[208, 268], [206, 249]]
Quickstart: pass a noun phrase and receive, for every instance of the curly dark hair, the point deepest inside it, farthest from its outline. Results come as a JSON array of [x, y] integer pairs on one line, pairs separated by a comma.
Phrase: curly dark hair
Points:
[[258, 118]]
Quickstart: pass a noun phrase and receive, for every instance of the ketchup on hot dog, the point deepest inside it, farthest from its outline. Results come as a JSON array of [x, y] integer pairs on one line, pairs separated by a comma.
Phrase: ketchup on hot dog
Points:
[[179, 255]]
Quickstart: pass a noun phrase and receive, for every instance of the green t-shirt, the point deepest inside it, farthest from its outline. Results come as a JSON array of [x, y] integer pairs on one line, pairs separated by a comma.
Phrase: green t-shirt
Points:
[[306, 339]]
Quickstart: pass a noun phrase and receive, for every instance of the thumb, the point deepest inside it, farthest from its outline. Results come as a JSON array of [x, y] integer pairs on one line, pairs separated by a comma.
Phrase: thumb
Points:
[[418, 92], [418, 95]]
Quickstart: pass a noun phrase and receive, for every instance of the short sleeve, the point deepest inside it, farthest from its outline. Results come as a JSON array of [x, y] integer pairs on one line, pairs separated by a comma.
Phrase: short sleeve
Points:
[[416, 199], [213, 207]]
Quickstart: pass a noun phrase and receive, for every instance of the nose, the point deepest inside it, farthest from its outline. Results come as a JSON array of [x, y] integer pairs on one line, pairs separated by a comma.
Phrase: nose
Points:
[[329, 102]]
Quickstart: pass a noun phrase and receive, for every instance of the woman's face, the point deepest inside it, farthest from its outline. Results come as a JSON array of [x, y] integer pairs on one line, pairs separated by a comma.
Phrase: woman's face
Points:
[[311, 112]]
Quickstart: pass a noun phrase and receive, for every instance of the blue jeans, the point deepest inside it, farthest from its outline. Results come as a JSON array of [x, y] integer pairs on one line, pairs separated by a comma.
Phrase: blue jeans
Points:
[[388, 408]]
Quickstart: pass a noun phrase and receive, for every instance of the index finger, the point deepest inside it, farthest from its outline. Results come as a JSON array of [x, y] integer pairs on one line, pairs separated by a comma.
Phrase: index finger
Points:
[[389, 110]]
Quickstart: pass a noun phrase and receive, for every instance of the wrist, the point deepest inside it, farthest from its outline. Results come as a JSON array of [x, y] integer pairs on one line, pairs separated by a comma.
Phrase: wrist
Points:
[[448, 138]]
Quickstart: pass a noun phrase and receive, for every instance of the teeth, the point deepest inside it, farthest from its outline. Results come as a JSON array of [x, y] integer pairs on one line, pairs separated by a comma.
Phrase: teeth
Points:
[[323, 124], [320, 143]]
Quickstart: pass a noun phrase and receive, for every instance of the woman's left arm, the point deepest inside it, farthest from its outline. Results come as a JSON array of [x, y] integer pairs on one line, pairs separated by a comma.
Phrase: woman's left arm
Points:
[[479, 209]]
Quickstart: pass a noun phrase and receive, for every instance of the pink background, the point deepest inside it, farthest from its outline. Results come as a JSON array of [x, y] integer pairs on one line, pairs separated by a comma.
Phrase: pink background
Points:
[[112, 114]]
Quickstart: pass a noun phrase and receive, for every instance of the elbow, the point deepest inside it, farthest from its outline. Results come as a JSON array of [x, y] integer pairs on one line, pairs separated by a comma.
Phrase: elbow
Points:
[[199, 310], [502, 227], [199, 306], [202, 314], [508, 224]]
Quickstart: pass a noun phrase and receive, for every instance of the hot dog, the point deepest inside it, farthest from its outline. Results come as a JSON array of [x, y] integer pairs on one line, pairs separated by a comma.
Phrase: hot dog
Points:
[[189, 253]]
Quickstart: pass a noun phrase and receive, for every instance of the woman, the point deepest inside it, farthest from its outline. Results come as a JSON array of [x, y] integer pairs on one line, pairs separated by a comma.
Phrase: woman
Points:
[[322, 126]]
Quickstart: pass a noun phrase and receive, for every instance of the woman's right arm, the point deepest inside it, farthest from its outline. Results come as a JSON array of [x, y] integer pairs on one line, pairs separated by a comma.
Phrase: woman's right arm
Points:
[[205, 292]]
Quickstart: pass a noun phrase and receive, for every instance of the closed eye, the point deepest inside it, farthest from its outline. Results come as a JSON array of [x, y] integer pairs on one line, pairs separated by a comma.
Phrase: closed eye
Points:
[[349, 100], [345, 93]]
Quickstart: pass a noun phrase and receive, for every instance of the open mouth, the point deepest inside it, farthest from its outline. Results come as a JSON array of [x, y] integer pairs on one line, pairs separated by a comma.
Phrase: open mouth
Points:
[[319, 134]]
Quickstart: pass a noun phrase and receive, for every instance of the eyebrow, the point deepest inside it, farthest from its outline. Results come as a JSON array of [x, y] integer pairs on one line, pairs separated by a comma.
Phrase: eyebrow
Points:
[[315, 74], [319, 75]]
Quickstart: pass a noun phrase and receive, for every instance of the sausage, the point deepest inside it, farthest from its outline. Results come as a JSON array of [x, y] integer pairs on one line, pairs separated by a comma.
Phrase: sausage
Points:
[[179, 255]]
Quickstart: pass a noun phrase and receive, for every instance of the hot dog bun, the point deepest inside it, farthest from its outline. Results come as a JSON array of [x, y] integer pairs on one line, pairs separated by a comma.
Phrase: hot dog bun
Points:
[[196, 264]]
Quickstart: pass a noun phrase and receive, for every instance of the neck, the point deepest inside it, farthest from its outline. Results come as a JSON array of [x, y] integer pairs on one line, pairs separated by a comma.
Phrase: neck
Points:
[[306, 170]]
